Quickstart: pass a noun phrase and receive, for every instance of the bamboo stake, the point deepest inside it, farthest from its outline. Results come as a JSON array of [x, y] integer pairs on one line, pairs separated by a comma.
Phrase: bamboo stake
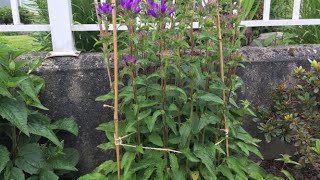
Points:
[[226, 127], [104, 45], [116, 91]]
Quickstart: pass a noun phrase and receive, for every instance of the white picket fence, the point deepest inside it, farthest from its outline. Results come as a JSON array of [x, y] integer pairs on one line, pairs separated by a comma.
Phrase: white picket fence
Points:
[[61, 24]]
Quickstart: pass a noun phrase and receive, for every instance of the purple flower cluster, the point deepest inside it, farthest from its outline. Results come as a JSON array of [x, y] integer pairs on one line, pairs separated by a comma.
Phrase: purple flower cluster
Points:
[[155, 10], [129, 59], [105, 9], [130, 5]]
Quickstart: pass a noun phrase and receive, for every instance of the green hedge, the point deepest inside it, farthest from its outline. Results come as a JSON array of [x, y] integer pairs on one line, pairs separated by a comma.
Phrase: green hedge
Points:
[[6, 15]]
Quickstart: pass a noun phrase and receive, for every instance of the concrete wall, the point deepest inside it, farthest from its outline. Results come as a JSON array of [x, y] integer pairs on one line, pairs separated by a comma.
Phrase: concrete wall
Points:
[[72, 84]]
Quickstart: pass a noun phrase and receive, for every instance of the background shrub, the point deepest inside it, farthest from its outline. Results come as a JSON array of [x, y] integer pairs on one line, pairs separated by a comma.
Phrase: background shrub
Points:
[[6, 15]]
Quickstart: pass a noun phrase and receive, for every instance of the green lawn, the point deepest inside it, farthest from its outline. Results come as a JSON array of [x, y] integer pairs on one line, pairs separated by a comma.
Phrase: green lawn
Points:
[[23, 43]]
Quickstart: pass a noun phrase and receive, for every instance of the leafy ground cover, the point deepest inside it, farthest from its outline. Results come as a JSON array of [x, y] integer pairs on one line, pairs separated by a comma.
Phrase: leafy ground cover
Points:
[[24, 43]]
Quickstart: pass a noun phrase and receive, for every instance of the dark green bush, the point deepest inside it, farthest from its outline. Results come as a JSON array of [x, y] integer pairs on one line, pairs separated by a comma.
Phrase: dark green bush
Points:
[[294, 114], [6, 15]]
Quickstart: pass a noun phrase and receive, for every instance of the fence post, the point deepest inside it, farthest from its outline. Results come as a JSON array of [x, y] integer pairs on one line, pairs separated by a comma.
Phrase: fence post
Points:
[[296, 9], [60, 16], [15, 12], [266, 10]]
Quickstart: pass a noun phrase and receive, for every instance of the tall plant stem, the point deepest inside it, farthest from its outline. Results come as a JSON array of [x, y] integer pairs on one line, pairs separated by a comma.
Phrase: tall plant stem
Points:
[[226, 126], [14, 141], [116, 90], [134, 87], [191, 29], [104, 45]]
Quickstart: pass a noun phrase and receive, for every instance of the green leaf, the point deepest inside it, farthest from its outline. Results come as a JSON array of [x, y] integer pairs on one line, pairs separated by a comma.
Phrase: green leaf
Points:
[[255, 151], [15, 112], [244, 147], [174, 164], [15, 81], [105, 97], [66, 161], [29, 90], [66, 124], [181, 94], [106, 167], [30, 158], [39, 126], [152, 120], [4, 157], [147, 173], [256, 176], [156, 139], [48, 175], [226, 172], [287, 174], [185, 131], [93, 176], [107, 146], [205, 120], [4, 91], [190, 156], [206, 159], [236, 166], [33, 178], [16, 174], [211, 98], [126, 161]]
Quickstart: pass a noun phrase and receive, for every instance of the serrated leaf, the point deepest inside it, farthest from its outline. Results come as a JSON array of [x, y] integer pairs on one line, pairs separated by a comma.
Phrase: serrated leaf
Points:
[[126, 161], [15, 112], [107, 146], [181, 94], [16, 174], [106, 167], [28, 89], [48, 175], [41, 127], [147, 173], [155, 139], [204, 121], [105, 97], [225, 171], [93, 176], [190, 156], [236, 166], [66, 161], [256, 176], [4, 91], [211, 98], [185, 131], [152, 120], [30, 158], [287, 174], [15, 81], [174, 164], [66, 124], [4, 157], [206, 159]]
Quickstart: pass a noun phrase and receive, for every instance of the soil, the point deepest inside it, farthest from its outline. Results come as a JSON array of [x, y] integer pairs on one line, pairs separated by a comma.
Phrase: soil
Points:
[[274, 167]]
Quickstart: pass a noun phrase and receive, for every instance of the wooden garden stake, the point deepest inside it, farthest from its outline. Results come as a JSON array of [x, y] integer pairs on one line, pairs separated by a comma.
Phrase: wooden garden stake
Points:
[[116, 92], [226, 127]]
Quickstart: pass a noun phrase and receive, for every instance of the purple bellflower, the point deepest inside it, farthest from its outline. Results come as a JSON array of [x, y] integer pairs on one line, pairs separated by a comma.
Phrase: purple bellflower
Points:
[[129, 59], [105, 9], [155, 10], [130, 5]]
